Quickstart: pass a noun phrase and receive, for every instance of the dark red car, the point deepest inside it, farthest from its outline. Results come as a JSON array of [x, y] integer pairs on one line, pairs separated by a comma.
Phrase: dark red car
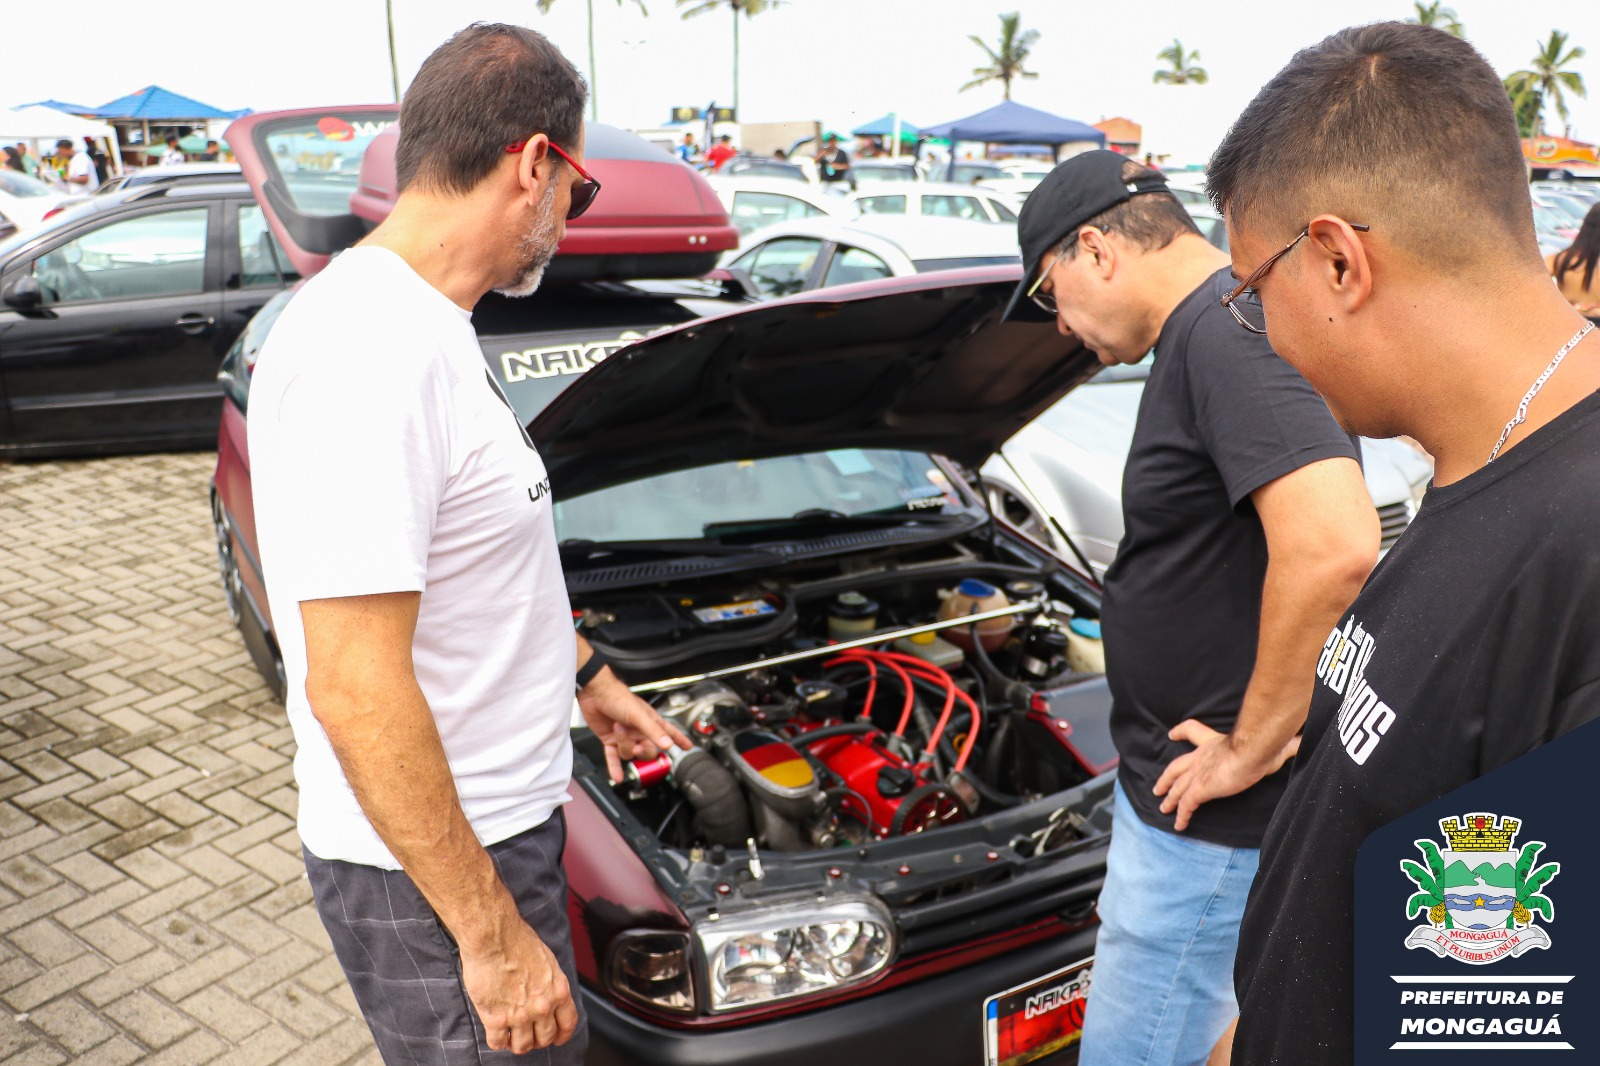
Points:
[[888, 840]]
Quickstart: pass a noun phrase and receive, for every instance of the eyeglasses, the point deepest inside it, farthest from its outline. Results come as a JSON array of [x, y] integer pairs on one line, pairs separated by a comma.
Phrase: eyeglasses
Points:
[[1244, 303], [1046, 301], [582, 196]]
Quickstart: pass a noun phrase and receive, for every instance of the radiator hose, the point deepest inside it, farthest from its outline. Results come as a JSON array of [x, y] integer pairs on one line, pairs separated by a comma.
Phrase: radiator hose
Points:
[[716, 797]]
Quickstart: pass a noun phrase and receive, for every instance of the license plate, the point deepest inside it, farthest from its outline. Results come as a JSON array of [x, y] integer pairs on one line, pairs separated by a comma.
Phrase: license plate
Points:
[[1026, 1023]]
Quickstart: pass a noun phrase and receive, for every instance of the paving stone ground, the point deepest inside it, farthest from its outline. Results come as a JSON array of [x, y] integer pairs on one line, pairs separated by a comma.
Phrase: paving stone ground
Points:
[[153, 906]]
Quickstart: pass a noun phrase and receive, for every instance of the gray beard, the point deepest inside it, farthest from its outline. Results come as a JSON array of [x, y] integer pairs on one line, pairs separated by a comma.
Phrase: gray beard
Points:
[[534, 253]]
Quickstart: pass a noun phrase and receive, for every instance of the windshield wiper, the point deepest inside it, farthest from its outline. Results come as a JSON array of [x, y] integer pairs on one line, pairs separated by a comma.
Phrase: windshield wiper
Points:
[[818, 516], [577, 551]]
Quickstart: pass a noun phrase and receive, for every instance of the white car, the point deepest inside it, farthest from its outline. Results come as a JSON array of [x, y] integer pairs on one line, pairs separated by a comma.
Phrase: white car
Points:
[[753, 203], [1022, 176], [25, 201], [936, 199], [817, 252], [878, 171], [1060, 477]]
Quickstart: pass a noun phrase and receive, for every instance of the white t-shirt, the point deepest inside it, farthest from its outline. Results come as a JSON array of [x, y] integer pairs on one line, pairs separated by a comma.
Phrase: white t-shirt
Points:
[[384, 459], [79, 166], [172, 158]]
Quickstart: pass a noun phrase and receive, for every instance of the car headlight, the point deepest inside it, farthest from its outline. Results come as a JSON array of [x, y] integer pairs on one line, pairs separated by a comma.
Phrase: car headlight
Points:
[[654, 970], [780, 953]]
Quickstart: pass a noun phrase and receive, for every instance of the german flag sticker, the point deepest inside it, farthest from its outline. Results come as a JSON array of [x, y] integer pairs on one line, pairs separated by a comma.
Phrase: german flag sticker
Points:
[[774, 759]]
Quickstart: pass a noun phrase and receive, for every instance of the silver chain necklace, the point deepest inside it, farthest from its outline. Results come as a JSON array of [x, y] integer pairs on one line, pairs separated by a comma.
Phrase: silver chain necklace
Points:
[[1522, 408]]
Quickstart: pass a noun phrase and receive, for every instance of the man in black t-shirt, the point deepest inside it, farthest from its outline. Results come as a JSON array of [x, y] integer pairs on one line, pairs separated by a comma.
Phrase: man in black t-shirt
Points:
[[833, 163], [1376, 199], [1248, 531]]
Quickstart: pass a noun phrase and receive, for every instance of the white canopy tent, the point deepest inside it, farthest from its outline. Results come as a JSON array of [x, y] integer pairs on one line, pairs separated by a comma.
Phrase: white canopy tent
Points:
[[43, 126]]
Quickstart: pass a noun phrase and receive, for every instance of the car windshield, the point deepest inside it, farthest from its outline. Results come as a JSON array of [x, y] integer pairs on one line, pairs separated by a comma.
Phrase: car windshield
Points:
[[871, 172], [319, 157], [21, 185], [681, 504]]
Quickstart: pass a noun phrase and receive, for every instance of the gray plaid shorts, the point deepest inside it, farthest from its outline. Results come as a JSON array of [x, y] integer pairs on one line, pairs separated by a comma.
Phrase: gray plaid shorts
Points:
[[405, 969]]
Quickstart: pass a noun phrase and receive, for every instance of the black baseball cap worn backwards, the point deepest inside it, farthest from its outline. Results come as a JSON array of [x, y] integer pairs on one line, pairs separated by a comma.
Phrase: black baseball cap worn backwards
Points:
[[1072, 194]]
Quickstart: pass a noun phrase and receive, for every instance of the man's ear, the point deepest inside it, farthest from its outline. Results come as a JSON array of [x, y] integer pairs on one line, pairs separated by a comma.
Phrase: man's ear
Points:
[[1097, 245], [1340, 257], [535, 152]]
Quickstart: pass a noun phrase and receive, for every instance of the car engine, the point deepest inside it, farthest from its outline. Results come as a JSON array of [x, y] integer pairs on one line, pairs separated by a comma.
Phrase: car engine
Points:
[[883, 709]]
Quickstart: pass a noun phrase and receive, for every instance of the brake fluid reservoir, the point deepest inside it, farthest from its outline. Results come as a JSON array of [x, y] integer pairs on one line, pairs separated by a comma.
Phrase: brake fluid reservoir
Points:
[[1085, 653], [932, 647], [851, 615]]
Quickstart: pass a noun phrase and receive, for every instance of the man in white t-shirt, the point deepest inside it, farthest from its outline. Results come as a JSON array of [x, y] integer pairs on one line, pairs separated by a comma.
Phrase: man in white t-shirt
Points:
[[81, 175], [407, 538], [173, 157]]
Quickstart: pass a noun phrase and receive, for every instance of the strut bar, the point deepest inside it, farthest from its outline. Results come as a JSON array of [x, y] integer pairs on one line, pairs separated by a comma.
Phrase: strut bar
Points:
[[1030, 607]]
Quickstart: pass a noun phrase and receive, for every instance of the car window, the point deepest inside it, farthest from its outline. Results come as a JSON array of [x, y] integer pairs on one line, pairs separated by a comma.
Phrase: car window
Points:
[[21, 185], [240, 362], [855, 264], [262, 260], [780, 267], [867, 172], [319, 157], [882, 205], [157, 254], [933, 266], [752, 210], [1002, 212], [682, 503], [941, 206], [1189, 196]]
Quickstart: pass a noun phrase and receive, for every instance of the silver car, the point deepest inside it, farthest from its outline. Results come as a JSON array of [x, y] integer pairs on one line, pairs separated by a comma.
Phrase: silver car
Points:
[[1060, 477]]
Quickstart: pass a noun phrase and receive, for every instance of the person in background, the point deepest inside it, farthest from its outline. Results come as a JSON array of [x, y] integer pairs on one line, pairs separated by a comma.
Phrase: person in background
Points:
[[102, 165], [212, 154], [833, 164], [14, 160], [81, 175], [777, 153], [1401, 275], [1575, 268], [721, 152], [174, 154], [30, 162], [685, 151], [1249, 529]]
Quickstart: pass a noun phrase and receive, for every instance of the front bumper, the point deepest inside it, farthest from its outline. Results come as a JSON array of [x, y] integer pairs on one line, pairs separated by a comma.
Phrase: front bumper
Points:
[[933, 1022]]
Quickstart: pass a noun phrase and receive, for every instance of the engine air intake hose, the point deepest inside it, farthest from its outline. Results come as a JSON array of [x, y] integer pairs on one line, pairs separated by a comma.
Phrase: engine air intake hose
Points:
[[714, 793]]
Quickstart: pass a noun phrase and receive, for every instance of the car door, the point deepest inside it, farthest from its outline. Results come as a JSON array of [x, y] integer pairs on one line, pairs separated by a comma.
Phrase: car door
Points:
[[120, 349], [255, 268]]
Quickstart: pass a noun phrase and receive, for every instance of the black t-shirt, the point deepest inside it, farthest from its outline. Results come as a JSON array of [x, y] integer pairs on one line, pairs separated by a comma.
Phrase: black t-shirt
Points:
[[833, 166], [1221, 416], [1476, 640]]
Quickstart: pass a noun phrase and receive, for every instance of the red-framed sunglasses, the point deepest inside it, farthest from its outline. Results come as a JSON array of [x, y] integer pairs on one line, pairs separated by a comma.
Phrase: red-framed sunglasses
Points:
[[583, 196]]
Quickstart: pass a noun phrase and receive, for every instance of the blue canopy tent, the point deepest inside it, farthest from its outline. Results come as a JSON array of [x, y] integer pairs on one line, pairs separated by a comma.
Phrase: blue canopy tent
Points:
[[158, 105], [1014, 123], [887, 128]]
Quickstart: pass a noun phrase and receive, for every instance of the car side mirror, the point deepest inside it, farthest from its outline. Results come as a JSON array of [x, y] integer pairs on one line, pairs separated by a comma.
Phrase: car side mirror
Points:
[[23, 294], [736, 284]]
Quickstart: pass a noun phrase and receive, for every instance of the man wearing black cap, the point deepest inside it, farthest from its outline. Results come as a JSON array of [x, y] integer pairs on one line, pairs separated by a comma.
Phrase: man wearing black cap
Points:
[[1248, 532]]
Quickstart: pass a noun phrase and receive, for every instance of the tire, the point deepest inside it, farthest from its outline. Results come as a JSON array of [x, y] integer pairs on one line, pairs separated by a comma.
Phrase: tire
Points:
[[1020, 513], [227, 562]]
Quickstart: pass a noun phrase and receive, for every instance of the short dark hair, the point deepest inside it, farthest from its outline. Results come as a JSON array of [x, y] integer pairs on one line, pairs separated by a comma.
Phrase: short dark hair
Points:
[[1397, 126], [488, 86], [1147, 220], [1584, 252], [63, 143]]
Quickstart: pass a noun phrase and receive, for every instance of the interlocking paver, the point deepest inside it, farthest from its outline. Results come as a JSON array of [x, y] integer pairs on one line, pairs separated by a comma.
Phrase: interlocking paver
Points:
[[152, 903]]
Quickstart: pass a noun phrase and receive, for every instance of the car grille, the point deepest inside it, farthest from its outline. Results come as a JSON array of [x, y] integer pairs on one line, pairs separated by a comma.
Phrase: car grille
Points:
[[1392, 521]]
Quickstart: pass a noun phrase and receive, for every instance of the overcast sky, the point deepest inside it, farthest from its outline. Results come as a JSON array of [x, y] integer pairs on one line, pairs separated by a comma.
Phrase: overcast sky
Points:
[[840, 61]]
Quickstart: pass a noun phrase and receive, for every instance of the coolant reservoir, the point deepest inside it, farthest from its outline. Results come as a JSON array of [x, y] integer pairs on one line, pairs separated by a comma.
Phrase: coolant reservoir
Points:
[[975, 597], [1085, 653], [933, 648]]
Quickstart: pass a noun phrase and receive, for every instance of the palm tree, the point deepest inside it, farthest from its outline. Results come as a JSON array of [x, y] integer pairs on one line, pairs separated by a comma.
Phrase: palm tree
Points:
[[1546, 82], [394, 66], [748, 8], [1436, 14], [1006, 62], [594, 77], [1185, 66]]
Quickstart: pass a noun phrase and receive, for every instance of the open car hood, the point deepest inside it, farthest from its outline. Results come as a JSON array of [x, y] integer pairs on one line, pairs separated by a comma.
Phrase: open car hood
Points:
[[326, 176], [918, 364]]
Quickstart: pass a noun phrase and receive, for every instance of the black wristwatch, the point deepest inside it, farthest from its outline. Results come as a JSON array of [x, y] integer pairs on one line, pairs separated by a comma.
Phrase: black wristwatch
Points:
[[587, 672]]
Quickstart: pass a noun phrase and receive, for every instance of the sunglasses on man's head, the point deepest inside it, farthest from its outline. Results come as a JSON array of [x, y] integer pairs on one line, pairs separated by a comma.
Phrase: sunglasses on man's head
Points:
[[582, 196]]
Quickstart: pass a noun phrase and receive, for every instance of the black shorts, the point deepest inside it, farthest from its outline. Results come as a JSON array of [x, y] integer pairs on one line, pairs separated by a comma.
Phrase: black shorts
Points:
[[405, 970]]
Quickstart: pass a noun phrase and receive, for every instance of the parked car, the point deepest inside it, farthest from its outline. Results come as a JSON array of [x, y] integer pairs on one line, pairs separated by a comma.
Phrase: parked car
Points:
[[871, 171], [26, 201], [1060, 478], [921, 891], [115, 314], [761, 166], [755, 202], [968, 172], [815, 252], [1021, 177], [937, 199], [159, 175]]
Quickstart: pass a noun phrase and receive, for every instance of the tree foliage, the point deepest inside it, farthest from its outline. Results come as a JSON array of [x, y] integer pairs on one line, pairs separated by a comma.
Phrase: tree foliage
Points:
[[1437, 15], [1545, 84], [1006, 62], [1185, 68]]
